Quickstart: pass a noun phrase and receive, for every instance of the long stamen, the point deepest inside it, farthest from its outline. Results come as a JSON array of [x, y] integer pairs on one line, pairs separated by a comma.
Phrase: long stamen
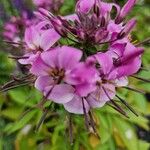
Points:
[[127, 105], [15, 86], [18, 57], [107, 42], [135, 90], [146, 41], [16, 79], [140, 78], [144, 69], [42, 118], [16, 82], [118, 108], [93, 124], [70, 129], [44, 99], [85, 115], [11, 42]]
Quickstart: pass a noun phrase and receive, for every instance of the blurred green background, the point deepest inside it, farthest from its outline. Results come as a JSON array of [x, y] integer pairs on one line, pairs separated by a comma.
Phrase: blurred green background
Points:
[[17, 132]]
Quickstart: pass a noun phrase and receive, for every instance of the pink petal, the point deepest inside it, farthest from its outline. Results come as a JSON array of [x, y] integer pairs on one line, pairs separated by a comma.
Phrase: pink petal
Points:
[[39, 67], [129, 68], [31, 58], [51, 57], [42, 82], [112, 27], [49, 38], [110, 89], [81, 74], [84, 6], [61, 93], [105, 60], [99, 97], [94, 101], [84, 89], [32, 37], [69, 57], [75, 105], [106, 8], [123, 81]]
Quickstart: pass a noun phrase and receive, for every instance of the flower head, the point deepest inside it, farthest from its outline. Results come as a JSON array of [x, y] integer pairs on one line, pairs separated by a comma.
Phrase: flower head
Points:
[[51, 68], [88, 77]]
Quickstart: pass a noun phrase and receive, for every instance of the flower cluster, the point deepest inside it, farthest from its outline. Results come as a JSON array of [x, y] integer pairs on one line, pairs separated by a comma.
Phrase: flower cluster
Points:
[[15, 27], [97, 59]]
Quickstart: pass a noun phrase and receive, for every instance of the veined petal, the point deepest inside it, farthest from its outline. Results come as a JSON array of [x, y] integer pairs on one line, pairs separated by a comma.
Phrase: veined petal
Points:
[[75, 105], [42, 82], [32, 38], [48, 38], [129, 68], [84, 89], [39, 68], [99, 97], [120, 82], [61, 93], [51, 57], [31, 58], [68, 57], [105, 60], [83, 74], [94, 101]]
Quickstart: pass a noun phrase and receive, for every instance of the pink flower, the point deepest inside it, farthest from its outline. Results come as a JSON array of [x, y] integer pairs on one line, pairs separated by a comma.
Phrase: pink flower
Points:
[[83, 77], [51, 68], [106, 85], [10, 31], [127, 58], [15, 26], [37, 40]]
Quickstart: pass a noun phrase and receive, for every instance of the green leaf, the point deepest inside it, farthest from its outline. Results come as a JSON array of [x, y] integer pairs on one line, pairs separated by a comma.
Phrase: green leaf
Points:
[[127, 133], [21, 123], [12, 113]]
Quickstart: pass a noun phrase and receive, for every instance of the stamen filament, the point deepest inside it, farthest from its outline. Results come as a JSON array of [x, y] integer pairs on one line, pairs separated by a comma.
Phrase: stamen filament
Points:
[[135, 90], [140, 78], [85, 115], [127, 105], [118, 108]]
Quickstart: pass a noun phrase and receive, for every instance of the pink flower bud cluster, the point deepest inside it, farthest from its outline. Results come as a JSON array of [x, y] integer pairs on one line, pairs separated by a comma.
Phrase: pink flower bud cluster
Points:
[[86, 73]]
